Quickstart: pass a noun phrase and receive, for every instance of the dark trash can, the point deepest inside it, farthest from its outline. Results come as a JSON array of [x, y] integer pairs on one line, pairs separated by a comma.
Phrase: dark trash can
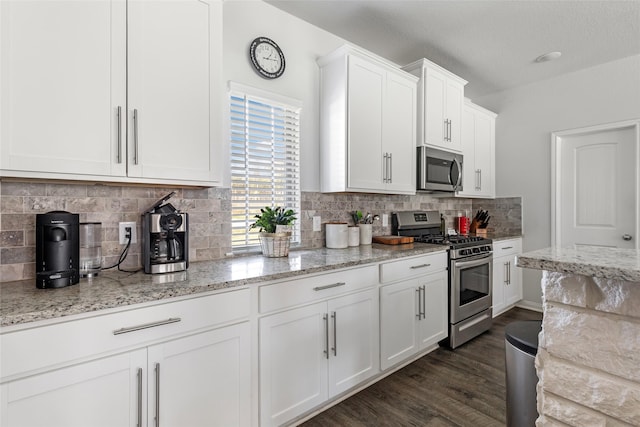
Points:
[[521, 346]]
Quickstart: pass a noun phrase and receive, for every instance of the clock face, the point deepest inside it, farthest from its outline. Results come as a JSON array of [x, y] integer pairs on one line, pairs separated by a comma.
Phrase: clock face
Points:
[[267, 58]]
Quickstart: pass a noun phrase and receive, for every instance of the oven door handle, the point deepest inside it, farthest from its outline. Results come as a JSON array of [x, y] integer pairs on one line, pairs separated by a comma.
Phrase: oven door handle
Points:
[[471, 262]]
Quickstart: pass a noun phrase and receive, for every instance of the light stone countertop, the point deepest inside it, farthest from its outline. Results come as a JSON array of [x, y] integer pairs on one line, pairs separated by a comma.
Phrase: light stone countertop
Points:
[[594, 261], [21, 302]]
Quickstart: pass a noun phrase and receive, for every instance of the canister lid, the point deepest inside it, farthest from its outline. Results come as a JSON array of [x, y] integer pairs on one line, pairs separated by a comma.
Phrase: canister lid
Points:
[[523, 335]]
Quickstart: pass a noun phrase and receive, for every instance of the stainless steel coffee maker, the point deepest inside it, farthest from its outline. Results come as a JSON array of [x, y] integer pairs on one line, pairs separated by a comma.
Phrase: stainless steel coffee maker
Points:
[[165, 238]]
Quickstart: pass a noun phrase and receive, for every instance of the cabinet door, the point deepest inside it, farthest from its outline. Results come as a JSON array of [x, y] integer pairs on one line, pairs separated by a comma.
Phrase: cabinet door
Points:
[[469, 173], [484, 154], [434, 105], [434, 326], [513, 289], [202, 380], [499, 284], [366, 82], [399, 133], [105, 392], [453, 112], [293, 363], [173, 71], [398, 322], [353, 340], [63, 79]]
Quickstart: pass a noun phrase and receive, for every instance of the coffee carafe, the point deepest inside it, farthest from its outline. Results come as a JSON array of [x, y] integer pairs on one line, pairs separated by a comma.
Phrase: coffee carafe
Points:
[[165, 232]]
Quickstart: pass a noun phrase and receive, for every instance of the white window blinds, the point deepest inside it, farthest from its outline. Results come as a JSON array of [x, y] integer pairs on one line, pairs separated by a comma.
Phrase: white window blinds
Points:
[[265, 160]]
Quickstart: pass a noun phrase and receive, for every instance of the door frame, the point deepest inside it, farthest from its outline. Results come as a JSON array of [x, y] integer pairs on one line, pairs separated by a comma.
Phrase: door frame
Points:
[[556, 157]]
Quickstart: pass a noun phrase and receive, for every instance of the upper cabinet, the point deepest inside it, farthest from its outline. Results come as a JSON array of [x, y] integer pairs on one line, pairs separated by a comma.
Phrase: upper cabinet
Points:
[[478, 141], [440, 101], [367, 124], [122, 91]]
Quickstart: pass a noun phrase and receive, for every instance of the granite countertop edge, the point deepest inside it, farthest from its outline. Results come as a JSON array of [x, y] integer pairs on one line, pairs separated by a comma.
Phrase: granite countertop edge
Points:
[[21, 302], [594, 261]]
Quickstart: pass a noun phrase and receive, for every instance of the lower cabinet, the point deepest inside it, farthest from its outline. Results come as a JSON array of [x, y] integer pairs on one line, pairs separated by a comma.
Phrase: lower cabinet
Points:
[[413, 316], [312, 353], [183, 363], [200, 380], [507, 278]]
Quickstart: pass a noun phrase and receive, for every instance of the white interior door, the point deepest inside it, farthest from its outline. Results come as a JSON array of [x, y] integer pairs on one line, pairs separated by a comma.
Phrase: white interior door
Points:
[[597, 187]]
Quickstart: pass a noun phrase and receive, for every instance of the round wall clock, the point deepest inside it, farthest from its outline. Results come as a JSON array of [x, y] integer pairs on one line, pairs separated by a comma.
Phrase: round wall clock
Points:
[[267, 58]]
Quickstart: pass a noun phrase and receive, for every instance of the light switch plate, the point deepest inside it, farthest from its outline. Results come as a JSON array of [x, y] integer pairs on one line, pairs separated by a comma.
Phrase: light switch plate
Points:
[[317, 223], [385, 220]]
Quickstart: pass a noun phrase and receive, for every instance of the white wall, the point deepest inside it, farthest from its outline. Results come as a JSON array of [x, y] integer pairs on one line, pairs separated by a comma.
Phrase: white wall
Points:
[[302, 43], [526, 117]]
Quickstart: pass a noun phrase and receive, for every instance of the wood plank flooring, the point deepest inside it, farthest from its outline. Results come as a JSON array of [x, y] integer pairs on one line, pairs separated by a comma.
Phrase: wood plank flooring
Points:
[[464, 387]]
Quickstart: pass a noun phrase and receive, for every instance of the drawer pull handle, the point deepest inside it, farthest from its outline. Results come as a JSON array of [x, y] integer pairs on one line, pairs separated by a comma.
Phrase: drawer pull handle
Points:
[[507, 247], [146, 326], [333, 285], [413, 267]]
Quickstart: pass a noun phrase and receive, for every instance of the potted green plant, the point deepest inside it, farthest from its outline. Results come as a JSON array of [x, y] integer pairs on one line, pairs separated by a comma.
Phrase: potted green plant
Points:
[[275, 230]]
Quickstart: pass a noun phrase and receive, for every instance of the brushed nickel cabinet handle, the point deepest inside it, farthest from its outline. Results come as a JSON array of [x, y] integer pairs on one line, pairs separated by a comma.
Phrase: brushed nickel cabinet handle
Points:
[[507, 247], [135, 136], [419, 303], [335, 331], [413, 267], [424, 301], [139, 424], [119, 136], [157, 394], [390, 180], [333, 285], [146, 326], [325, 317], [506, 273]]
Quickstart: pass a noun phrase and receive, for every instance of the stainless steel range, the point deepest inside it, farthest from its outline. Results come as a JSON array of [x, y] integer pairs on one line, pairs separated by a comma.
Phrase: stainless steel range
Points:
[[470, 273]]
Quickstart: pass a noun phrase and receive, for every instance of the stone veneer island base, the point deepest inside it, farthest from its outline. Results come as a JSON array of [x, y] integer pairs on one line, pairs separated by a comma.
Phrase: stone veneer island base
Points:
[[588, 360]]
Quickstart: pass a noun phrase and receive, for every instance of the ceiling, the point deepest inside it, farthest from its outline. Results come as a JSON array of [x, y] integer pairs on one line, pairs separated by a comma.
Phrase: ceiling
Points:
[[492, 44]]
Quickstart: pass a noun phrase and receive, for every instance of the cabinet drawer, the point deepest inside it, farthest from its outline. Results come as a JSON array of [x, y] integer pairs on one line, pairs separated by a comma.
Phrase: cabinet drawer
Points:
[[62, 343], [309, 289], [412, 267], [507, 247]]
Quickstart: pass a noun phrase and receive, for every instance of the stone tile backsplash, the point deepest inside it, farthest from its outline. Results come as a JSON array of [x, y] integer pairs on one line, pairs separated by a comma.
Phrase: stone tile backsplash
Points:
[[209, 216]]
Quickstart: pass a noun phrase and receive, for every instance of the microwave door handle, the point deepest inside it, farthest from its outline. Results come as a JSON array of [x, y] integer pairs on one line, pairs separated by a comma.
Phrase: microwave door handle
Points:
[[455, 183]]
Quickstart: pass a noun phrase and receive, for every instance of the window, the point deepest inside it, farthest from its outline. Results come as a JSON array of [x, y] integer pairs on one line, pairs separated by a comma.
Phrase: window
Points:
[[265, 159]]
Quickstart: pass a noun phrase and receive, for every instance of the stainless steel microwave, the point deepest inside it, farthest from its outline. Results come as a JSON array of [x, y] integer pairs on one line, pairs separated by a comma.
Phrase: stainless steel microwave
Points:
[[439, 171]]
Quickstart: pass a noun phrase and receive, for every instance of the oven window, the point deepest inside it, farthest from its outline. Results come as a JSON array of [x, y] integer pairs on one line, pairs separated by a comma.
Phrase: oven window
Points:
[[474, 283]]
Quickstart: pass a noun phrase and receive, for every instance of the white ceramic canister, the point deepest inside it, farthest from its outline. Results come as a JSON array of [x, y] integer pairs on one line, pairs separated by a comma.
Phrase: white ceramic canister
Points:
[[366, 233], [354, 236], [337, 235]]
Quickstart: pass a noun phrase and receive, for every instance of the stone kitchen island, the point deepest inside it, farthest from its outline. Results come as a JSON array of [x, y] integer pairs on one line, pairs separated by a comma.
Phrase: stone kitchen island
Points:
[[588, 360]]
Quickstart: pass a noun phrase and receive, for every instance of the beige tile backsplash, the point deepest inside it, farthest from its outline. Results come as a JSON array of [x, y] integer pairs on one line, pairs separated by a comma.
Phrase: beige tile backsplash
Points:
[[209, 216]]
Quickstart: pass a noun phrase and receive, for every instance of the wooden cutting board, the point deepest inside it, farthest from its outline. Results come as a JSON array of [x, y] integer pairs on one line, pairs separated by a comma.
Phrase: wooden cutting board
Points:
[[392, 240]]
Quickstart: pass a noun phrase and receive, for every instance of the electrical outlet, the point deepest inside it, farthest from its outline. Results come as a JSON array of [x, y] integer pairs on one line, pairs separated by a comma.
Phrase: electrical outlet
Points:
[[123, 232], [317, 223], [385, 220]]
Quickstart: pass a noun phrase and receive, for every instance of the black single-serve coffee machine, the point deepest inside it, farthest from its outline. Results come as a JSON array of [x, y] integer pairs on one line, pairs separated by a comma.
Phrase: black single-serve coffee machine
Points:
[[57, 249], [165, 238]]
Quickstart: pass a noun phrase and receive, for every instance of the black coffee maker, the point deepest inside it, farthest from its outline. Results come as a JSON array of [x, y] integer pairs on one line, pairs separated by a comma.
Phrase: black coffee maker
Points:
[[57, 249], [165, 238]]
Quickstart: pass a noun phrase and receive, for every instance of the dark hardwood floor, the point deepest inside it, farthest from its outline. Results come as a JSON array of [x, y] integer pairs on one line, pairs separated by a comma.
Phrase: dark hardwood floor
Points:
[[463, 387]]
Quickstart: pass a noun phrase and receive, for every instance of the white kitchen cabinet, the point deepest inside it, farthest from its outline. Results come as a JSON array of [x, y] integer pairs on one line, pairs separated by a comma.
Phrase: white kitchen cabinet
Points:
[[413, 310], [440, 101], [312, 353], [478, 140], [367, 129], [186, 359], [100, 393], [116, 90], [507, 278]]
